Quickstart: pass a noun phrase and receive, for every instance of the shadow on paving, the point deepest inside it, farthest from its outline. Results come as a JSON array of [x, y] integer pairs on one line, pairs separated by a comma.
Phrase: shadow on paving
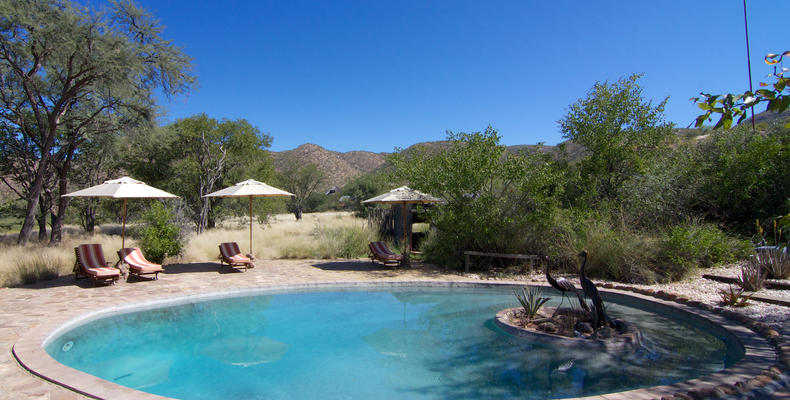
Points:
[[61, 281], [188, 268], [379, 270], [352, 265]]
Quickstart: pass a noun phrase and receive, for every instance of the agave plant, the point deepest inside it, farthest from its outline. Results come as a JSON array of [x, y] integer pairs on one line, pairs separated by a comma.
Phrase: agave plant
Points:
[[733, 296], [530, 300], [752, 276], [774, 261]]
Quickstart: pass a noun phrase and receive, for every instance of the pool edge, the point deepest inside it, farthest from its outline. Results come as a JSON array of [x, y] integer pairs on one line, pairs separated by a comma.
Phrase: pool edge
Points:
[[761, 354]]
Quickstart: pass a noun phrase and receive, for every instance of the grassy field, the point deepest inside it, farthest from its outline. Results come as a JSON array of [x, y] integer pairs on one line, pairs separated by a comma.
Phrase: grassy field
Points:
[[323, 235]]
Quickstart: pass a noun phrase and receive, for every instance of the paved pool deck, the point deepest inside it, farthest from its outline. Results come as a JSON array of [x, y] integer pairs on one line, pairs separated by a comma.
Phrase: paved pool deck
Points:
[[33, 308]]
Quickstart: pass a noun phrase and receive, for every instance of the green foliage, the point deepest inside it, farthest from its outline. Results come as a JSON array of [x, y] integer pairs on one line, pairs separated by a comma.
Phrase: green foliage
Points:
[[530, 300], [732, 106], [303, 181], [11, 213], [364, 187], [158, 236], [195, 156], [734, 297], [69, 70], [744, 175], [491, 196], [620, 130], [701, 245]]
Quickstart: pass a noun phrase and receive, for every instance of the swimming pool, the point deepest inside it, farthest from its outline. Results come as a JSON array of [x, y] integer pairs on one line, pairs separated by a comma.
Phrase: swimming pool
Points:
[[382, 342]]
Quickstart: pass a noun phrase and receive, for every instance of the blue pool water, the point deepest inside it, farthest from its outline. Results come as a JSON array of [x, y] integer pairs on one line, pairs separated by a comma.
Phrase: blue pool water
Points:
[[388, 343]]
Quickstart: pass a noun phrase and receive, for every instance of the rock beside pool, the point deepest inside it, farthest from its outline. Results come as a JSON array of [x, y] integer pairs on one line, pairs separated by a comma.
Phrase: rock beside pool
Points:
[[570, 328]]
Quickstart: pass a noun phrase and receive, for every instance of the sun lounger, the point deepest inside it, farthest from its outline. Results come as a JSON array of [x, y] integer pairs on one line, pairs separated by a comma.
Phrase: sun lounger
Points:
[[229, 253], [138, 265], [91, 264], [380, 252]]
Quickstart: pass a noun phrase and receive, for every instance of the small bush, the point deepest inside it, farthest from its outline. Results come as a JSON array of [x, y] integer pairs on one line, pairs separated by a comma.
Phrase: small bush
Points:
[[158, 237], [701, 245]]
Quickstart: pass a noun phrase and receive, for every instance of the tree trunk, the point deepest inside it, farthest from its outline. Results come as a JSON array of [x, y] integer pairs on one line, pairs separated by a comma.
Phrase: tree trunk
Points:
[[205, 207], [63, 202], [42, 220], [89, 216], [298, 212]]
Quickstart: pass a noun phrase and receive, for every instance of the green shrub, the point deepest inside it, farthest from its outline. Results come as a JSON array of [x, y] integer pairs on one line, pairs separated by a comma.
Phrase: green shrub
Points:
[[158, 236], [701, 245]]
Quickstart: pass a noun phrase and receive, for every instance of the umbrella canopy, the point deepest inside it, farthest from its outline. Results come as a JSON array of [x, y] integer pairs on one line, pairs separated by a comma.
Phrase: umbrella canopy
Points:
[[250, 188], [404, 195], [122, 188]]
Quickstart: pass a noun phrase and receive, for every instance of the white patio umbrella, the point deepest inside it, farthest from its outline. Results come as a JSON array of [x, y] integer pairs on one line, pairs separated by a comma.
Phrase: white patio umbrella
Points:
[[250, 188], [122, 188], [404, 195]]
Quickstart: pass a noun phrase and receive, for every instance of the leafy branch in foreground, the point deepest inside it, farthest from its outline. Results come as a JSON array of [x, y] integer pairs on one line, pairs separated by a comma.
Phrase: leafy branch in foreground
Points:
[[735, 106]]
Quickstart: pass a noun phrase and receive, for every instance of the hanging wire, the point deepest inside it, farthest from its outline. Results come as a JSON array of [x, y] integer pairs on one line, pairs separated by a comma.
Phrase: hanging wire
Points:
[[748, 60]]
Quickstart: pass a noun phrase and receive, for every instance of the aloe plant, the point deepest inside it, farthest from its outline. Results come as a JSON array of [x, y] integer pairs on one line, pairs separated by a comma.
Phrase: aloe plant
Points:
[[531, 300]]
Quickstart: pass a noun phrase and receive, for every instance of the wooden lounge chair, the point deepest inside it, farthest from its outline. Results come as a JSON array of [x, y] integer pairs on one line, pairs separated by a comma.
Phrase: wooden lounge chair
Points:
[[91, 264], [229, 253], [138, 265], [380, 252]]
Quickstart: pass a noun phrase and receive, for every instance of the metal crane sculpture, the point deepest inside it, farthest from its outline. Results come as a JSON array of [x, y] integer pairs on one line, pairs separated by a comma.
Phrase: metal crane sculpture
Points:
[[564, 286], [599, 316]]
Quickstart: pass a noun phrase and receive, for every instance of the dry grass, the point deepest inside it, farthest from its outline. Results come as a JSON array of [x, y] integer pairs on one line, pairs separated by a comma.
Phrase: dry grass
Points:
[[36, 261], [321, 235], [282, 237]]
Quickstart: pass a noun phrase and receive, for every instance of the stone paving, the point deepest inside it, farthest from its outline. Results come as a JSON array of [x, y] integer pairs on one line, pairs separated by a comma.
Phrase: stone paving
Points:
[[27, 307]]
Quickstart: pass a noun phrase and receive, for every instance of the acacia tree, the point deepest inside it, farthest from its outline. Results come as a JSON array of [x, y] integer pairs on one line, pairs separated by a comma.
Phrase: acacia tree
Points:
[[55, 57], [619, 129], [302, 181], [195, 156]]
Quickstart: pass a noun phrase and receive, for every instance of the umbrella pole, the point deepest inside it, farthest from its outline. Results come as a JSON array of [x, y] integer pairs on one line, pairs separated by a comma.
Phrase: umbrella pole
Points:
[[250, 225], [123, 226], [406, 244]]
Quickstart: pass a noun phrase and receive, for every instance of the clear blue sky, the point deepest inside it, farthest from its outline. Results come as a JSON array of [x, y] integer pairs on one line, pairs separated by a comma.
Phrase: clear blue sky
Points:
[[374, 75]]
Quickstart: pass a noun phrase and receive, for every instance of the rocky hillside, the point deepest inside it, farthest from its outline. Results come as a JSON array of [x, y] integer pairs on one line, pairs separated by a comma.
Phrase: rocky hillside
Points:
[[342, 167], [338, 167]]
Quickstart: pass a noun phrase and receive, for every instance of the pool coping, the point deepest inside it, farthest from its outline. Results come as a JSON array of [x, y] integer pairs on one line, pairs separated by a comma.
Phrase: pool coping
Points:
[[766, 358]]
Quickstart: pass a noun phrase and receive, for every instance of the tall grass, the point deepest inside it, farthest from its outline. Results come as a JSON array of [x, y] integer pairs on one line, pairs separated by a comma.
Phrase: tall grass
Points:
[[319, 235], [38, 261], [322, 235]]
